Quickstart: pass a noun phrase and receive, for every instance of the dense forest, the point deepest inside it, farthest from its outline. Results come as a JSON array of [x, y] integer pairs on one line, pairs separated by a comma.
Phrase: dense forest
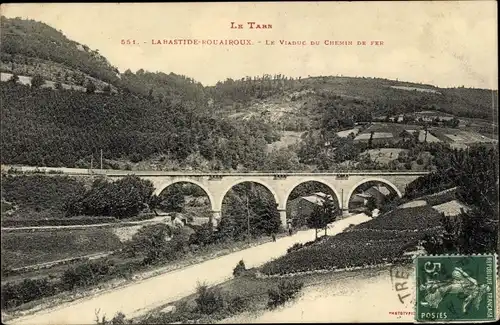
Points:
[[65, 128]]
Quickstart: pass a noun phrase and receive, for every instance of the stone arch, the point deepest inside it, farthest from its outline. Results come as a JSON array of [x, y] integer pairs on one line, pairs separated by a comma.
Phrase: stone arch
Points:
[[306, 180], [223, 193], [211, 198], [371, 179]]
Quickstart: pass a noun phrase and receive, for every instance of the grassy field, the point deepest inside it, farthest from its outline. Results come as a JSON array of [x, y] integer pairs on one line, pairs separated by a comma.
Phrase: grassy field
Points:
[[455, 136], [28, 248]]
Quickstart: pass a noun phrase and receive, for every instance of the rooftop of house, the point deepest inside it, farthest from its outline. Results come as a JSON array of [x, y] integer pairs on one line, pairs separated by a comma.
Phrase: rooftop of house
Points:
[[373, 191]]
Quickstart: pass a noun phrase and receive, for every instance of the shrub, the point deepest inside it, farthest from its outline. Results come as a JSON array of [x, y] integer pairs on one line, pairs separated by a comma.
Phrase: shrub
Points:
[[118, 319], [149, 240], [85, 274], [204, 235], [239, 269], [295, 247], [237, 304], [15, 294], [286, 290], [37, 81], [209, 300]]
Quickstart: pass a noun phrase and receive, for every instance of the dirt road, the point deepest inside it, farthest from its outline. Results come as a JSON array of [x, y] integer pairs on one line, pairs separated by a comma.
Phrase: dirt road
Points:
[[140, 297]]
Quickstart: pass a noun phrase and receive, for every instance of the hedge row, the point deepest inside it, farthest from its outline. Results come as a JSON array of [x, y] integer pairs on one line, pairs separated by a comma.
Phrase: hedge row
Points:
[[82, 275], [57, 222], [141, 217]]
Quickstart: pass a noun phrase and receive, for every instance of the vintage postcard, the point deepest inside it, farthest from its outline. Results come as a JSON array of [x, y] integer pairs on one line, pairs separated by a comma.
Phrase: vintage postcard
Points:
[[266, 162]]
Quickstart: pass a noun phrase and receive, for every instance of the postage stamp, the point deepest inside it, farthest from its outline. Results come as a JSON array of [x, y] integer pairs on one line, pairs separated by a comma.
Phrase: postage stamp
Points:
[[455, 288]]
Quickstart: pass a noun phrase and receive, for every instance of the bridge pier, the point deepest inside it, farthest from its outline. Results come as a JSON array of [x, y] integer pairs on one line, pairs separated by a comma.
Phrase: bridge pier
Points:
[[283, 219], [216, 216]]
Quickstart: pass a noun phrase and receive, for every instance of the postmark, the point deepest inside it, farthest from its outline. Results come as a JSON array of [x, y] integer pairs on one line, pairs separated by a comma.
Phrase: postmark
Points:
[[455, 288]]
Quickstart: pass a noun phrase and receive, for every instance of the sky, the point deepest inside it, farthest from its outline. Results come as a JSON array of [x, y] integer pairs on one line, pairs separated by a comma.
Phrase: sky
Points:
[[444, 43]]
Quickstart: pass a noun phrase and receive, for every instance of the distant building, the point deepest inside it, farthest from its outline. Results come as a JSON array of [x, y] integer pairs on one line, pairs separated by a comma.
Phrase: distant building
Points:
[[360, 200], [376, 194], [299, 209]]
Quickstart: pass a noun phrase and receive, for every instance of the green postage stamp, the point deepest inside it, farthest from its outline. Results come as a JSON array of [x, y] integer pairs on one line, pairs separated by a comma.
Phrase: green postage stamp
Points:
[[456, 288]]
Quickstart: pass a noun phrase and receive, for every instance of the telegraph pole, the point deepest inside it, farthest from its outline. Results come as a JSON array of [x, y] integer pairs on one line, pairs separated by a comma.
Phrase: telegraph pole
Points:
[[101, 158], [91, 161], [341, 202], [248, 222]]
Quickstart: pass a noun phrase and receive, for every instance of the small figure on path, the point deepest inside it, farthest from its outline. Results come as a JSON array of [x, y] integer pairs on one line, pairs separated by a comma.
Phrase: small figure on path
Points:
[[273, 235]]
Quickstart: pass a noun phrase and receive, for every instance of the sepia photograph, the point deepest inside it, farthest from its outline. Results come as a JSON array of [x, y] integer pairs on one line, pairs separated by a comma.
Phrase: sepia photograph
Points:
[[249, 162]]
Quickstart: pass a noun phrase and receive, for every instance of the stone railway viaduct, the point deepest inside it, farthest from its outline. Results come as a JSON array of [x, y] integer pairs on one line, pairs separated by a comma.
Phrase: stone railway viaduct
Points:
[[280, 184]]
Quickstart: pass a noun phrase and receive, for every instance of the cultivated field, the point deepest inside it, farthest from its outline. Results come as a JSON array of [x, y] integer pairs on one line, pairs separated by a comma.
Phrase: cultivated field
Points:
[[383, 239], [21, 249], [451, 208], [430, 137], [385, 131], [26, 80], [460, 137], [376, 135], [346, 133], [426, 90]]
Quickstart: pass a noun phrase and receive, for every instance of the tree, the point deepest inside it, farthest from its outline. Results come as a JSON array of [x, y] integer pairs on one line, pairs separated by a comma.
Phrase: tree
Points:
[[107, 89], [322, 215], [454, 122], [405, 135], [91, 88], [370, 141], [124, 198], [203, 235], [371, 204], [14, 78], [37, 81], [173, 202], [475, 174]]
